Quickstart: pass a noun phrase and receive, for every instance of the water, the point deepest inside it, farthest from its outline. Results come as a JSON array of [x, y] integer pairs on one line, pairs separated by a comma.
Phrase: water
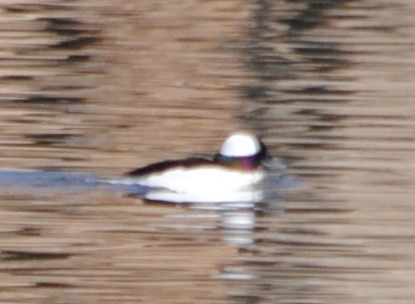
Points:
[[98, 88]]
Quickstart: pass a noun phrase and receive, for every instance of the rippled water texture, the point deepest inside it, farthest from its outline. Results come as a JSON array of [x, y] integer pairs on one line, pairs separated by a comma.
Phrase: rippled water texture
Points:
[[100, 87]]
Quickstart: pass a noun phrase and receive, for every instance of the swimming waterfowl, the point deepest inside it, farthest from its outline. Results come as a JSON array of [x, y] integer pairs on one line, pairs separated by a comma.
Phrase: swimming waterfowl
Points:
[[233, 174]]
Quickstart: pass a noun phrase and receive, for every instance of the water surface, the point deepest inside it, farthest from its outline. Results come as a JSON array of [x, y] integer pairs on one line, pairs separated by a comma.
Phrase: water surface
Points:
[[99, 88]]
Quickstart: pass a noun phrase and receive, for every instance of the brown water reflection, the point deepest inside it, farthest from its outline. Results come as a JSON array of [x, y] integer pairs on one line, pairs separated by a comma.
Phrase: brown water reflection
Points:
[[102, 87]]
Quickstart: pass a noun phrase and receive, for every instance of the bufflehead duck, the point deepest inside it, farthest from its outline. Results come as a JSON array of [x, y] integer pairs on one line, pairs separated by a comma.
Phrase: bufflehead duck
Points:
[[233, 175]]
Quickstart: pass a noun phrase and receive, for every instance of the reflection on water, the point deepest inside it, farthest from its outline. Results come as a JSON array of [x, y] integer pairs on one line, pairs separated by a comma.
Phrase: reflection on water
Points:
[[100, 88]]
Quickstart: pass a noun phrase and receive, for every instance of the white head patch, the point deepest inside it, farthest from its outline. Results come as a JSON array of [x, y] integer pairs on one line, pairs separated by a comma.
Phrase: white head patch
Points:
[[240, 145]]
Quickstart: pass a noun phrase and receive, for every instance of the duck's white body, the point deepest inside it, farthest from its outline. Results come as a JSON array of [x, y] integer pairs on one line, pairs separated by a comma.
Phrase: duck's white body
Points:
[[198, 180], [202, 184]]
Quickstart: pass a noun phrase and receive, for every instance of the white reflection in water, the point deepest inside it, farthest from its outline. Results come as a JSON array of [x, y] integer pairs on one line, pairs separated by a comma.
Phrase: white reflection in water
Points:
[[238, 227]]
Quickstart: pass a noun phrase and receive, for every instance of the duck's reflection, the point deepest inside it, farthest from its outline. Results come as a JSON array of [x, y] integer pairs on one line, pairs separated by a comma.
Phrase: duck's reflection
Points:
[[238, 227]]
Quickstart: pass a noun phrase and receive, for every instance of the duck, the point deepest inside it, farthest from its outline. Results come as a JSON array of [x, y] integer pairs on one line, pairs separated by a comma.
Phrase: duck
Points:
[[234, 174]]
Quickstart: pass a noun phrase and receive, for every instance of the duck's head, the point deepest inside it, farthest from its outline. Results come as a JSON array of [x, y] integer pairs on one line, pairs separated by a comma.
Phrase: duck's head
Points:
[[242, 150]]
